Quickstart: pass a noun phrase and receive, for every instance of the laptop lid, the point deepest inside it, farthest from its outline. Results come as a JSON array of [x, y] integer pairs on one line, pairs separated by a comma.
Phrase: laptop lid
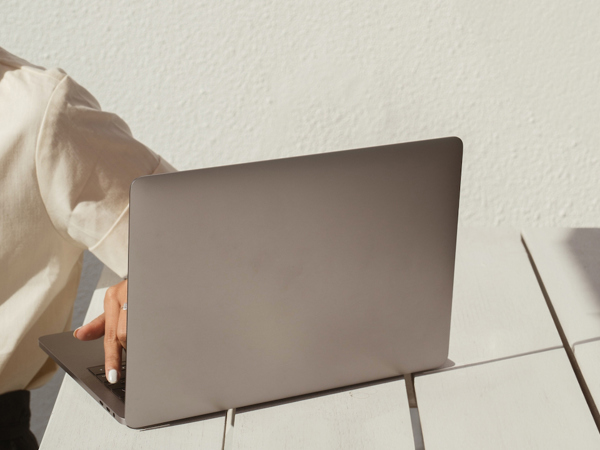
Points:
[[262, 281]]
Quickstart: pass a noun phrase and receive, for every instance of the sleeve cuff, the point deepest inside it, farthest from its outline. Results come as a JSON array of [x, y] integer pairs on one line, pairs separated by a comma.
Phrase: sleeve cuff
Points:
[[112, 249]]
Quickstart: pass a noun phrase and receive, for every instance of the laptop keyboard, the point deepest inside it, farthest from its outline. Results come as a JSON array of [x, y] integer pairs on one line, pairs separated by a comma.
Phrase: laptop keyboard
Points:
[[119, 387]]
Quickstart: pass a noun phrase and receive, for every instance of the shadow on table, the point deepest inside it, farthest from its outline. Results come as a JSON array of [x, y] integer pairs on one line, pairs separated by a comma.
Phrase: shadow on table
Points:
[[185, 421], [299, 398], [43, 399]]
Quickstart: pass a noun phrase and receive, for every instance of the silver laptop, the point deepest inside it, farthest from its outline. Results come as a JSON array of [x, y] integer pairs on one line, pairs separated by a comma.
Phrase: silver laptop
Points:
[[263, 281]]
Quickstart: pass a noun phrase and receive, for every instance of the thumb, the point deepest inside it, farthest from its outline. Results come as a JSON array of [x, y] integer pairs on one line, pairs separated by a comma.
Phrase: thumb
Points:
[[91, 330]]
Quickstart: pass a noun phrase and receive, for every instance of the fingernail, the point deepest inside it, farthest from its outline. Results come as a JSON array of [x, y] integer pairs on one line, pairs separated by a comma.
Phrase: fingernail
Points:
[[75, 332], [112, 376]]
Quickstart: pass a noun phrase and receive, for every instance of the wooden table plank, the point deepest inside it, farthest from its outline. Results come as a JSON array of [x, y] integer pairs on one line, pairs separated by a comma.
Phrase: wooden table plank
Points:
[[568, 263], [373, 417], [77, 421], [526, 402], [498, 308]]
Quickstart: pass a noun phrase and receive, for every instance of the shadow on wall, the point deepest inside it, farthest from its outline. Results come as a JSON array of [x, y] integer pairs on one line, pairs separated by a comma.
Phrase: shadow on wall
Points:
[[584, 246]]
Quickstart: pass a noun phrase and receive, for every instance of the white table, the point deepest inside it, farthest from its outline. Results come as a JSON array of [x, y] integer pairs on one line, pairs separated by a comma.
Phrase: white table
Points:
[[509, 383]]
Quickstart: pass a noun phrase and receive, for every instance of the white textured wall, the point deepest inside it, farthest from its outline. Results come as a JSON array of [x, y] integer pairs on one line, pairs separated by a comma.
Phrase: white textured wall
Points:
[[220, 82]]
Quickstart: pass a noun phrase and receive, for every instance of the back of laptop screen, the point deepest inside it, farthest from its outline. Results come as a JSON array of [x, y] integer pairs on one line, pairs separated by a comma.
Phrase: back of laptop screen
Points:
[[267, 280]]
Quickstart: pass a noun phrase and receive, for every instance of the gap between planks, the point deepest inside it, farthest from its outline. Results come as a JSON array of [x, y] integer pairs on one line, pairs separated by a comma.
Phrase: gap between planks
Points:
[[415, 419], [575, 366], [228, 430]]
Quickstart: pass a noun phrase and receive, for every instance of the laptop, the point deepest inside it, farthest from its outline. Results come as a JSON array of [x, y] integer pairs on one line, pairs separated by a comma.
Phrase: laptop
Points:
[[263, 281]]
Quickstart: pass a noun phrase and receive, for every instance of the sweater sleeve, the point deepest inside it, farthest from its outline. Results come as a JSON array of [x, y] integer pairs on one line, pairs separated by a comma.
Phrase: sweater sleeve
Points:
[[86, 160]]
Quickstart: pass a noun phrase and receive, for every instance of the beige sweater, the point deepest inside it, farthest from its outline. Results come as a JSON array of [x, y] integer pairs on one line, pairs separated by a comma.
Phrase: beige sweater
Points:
[[65, 171]]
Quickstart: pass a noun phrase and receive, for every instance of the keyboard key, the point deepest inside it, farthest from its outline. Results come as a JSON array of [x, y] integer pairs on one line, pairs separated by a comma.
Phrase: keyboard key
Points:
[[118, 385], [119, 393], [97, 370], [117, 388]]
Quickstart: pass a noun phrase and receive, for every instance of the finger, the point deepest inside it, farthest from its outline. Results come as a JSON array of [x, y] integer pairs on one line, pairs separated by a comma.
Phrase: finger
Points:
[[112, 346], [91, 330], [122, 328]]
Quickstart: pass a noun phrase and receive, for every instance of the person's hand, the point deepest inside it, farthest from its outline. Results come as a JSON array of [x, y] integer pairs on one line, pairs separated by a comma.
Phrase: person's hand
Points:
[[112, 324]]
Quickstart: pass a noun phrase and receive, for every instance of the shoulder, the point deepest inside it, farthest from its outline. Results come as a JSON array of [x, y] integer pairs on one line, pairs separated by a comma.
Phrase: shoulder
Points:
[[10, 62], [25, 89]]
